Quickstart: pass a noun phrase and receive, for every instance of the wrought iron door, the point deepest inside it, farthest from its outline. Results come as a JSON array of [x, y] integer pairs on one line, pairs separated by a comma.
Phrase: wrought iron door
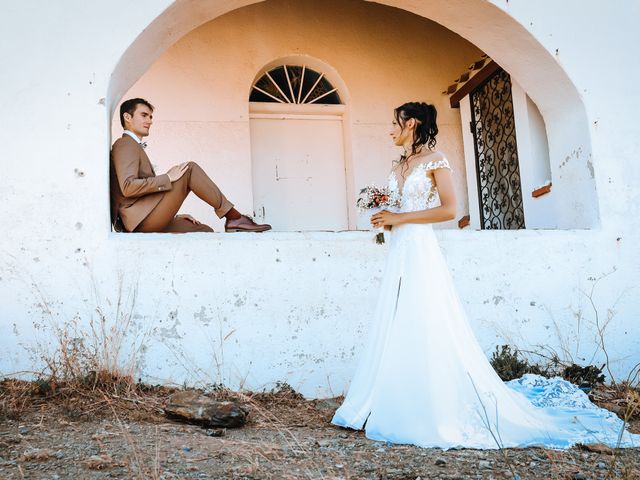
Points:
[[497, 168]]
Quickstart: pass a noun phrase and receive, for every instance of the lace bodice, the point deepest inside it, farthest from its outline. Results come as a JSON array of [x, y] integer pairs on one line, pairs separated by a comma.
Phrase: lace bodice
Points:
[[418, 192]]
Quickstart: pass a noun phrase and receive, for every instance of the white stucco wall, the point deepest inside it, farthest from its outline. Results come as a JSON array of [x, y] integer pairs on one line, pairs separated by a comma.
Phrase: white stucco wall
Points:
[[533, 156], [542, 209], [251, 310]]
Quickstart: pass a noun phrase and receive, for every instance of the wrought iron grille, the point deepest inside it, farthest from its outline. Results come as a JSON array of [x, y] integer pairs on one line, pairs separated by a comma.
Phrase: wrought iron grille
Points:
[[498, 171]]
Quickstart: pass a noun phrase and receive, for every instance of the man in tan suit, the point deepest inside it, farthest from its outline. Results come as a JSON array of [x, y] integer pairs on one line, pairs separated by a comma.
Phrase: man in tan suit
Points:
[[142, 201]]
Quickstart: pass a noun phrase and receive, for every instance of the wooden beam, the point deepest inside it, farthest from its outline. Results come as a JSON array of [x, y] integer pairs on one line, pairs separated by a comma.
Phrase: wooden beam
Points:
[[474, 82]]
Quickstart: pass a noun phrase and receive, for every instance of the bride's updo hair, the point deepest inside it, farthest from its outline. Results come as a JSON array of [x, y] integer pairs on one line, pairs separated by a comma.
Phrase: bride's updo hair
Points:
[[426, 127]]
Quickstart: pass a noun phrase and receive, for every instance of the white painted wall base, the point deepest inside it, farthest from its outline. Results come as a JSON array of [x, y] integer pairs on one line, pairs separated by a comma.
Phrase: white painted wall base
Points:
[[205, 314]]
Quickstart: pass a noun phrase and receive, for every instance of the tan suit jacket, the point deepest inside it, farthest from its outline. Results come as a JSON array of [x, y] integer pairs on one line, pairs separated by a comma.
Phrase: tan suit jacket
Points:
[[135, 188]]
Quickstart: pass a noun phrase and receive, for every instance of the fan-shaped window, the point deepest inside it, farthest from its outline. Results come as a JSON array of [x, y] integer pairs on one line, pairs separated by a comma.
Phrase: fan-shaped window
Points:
[[294, 84]]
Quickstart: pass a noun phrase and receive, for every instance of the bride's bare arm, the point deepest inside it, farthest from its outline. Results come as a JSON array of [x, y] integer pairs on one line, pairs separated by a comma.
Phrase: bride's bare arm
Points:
[[446, 210]]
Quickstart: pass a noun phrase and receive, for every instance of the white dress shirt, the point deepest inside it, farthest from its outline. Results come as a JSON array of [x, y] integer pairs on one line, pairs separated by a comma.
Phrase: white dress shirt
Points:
[[134, 136]]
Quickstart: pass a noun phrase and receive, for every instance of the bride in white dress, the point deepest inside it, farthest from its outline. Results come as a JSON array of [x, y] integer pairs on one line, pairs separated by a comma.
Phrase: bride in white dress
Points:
[[422, 378]]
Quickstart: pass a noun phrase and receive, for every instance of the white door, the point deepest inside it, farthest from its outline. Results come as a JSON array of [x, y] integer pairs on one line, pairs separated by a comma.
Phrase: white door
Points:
[[299, 172]]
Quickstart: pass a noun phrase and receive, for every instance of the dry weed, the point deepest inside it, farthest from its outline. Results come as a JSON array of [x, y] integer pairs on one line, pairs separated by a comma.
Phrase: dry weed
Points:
[[41, 455], [99, 462]]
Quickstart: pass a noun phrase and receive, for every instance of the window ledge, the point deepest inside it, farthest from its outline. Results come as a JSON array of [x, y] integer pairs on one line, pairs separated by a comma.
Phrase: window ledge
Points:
[[356, 235], [363, 236]]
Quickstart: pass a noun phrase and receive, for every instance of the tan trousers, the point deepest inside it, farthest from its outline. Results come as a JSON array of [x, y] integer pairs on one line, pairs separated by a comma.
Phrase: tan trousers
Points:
[[182, 225], [163, 217]]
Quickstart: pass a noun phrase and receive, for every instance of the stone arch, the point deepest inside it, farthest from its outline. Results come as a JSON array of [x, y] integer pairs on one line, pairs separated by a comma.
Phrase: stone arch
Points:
[[537, 70]]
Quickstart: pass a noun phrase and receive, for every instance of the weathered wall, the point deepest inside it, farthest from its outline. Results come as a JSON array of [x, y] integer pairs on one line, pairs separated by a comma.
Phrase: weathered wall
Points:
[[256, 309], [533, 157]]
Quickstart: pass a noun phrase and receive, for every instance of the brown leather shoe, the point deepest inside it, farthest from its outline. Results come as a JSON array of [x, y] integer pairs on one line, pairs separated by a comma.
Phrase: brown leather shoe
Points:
[[245, 224]]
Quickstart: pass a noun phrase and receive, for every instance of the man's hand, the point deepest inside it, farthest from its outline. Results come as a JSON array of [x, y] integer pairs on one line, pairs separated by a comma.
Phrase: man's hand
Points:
[[186, 216], [177, 171]]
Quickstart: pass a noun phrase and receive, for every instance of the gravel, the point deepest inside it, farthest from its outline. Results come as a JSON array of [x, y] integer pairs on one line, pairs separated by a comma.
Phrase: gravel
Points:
[[284, 438]]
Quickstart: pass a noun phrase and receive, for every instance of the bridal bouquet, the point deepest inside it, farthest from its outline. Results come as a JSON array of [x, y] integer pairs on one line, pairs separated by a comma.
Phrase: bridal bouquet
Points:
[[374, 199]]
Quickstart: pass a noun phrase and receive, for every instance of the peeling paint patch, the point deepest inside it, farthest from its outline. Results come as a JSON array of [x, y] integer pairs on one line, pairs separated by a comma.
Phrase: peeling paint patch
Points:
[[172, 331], [202, 317], [240, 301], [576, 154]]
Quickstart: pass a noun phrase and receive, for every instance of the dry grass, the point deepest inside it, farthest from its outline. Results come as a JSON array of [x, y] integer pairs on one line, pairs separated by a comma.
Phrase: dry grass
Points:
[[82, 400], [89, 363], [123, 403], [277, 434], [622, 399]]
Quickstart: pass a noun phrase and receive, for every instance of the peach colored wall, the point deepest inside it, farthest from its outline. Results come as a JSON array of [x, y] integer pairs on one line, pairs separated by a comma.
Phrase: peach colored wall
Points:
[[385, 56]]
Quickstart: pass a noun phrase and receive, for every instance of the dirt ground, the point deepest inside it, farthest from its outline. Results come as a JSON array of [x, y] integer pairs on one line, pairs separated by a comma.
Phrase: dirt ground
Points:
[[286, 437]]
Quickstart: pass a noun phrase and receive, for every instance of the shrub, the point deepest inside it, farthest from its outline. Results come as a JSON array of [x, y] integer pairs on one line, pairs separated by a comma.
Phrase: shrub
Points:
[[508, 365]]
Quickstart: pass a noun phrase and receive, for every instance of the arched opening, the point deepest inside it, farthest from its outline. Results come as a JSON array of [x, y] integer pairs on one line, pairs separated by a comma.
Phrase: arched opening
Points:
[[294, 84], [298, 146], [535, 69]]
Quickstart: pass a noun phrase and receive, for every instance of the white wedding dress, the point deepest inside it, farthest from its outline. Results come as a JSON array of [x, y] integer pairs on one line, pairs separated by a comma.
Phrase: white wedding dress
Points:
[[423, 379]]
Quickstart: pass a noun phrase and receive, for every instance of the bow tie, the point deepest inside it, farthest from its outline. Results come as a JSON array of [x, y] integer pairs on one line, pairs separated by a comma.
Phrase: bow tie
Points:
[[143, 144]]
